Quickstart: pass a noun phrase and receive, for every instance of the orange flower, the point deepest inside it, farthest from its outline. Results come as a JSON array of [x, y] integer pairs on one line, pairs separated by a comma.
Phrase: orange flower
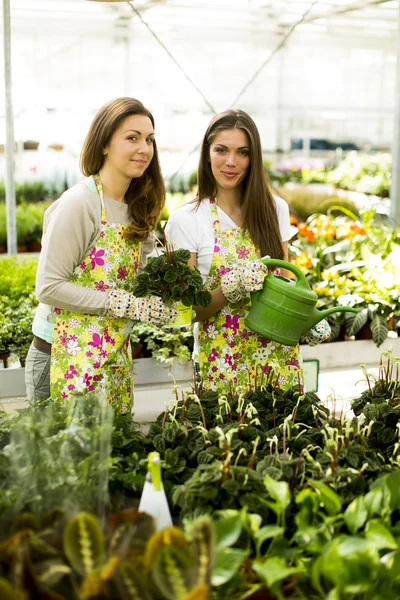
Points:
[[293, 220], [303, 261], [349, 230], [306, 232]]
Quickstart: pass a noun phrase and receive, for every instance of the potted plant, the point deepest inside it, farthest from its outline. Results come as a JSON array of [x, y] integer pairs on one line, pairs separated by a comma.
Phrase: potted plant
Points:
[[178, 284], [3, 229], [5, 339]]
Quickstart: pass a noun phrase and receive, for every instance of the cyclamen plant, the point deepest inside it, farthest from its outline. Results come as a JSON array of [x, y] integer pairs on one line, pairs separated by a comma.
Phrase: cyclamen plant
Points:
[[170, 277]]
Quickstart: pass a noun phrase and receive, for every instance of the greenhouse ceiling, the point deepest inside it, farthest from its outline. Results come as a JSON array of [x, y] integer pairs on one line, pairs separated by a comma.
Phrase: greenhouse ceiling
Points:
[[234, 20]]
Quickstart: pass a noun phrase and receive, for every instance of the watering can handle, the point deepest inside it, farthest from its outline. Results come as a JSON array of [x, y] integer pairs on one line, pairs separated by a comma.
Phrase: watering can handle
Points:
[[275, 262]]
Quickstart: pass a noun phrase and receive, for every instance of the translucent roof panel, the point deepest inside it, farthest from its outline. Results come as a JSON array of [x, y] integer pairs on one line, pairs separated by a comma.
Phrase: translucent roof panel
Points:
[[244, 19]]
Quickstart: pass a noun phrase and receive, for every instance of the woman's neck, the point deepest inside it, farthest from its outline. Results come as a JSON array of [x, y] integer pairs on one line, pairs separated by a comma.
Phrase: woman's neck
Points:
[[114, 184], [229, 200]]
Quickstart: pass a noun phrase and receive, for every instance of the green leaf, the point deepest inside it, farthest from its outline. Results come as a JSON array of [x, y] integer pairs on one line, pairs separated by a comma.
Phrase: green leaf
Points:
[[329, 498], [268, 532], [182, 254], [379, 329], [278, 490], [228, 530], [393, 484], [373, 501], [356, 514], [380, 536], [171, 275], [84, 543], [274, 570], [360, 320], [227, 564]]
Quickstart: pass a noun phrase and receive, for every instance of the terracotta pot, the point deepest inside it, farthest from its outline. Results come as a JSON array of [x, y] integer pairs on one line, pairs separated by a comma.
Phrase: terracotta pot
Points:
[[22, 248], [137, 351], [4, 356], [365, 333], [3, 250], [34, 246]]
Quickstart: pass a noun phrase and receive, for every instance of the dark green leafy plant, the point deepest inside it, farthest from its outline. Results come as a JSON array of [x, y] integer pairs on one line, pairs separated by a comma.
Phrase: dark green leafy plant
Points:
[[170, 277]]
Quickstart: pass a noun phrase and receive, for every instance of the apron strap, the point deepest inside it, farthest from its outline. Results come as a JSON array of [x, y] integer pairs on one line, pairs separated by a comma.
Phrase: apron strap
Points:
[[99, 188], [215, 217]]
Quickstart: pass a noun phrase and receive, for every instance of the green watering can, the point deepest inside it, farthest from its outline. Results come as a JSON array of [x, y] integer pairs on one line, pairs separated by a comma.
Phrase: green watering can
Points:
[[284, 310]]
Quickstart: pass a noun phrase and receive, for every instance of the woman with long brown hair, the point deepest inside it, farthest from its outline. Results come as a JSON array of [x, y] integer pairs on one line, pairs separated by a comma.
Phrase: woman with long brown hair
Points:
[[233, 221], [95, 238]]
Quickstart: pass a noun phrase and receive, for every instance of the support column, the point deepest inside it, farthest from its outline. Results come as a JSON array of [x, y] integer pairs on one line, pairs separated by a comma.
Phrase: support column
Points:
[[395, 191], [10, 187]]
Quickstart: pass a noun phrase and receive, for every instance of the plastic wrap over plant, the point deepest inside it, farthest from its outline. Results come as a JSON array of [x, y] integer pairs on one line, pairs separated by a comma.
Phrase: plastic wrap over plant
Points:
[[59, 455]]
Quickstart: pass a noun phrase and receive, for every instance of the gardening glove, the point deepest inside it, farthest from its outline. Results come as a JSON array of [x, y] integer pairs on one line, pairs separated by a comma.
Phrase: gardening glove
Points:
[[242, 279], [317, 334], [151, 309]]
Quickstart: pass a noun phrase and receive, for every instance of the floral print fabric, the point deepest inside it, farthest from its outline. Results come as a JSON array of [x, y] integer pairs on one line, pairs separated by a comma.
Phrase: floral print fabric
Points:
[[230, 355], [92, 352]]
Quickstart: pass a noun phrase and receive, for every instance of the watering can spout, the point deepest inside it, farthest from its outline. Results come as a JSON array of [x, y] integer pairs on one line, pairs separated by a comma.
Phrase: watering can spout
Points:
[[317, 315]]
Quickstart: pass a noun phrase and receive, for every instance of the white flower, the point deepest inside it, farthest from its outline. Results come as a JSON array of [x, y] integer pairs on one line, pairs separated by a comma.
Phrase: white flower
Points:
[[223, 250], [93, 329], [107, 267], [74, 322], [261, 354], [89, 370], [80, 386], [221, 364], [72, 347], [212, 332]]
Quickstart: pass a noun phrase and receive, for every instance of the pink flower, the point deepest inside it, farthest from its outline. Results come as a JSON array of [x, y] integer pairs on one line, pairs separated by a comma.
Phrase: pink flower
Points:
[[70, 372], [96, 365], [232, 323], [71, 387], [102, 234], [216, 248], [214, 369], [57, 311], [122, 273], [100, 285], [228, 359], [96, 258], [89, 354], [83, 265], [87, 379], [97, 341], [293, 362], [64, 395], [223, 270], [242, 252]]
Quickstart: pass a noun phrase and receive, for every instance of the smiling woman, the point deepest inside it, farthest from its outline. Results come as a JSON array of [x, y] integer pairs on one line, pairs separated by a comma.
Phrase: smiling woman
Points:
[[96, 237], [233, 221]]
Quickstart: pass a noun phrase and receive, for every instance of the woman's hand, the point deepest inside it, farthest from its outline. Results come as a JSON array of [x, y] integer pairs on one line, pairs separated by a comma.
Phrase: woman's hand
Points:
[[242, 279], [150, 309], [317, 334]]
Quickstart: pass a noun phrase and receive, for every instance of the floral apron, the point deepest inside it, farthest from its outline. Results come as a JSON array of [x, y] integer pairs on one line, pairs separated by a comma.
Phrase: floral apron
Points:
[[230, 355], [92, 352]]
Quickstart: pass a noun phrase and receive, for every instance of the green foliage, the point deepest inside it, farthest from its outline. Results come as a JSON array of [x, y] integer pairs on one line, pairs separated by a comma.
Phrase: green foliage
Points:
[[170, 277], [18, 277], [17, 303], [58, 456], [165, 345]]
